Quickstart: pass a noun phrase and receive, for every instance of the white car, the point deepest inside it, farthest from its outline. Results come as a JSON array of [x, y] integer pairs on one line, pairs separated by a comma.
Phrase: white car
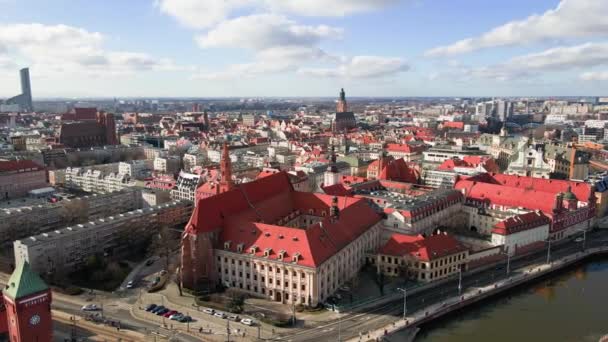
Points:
[[90, 307], [220, 314], [579, 240], [130, 284], [247, 321], [209, 311]]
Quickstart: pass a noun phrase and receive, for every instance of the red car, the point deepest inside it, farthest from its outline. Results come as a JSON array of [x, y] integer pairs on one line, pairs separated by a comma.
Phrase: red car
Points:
[[168, 314]]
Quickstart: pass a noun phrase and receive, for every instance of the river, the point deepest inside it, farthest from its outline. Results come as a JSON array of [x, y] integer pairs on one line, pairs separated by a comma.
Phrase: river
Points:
[[570, 306]]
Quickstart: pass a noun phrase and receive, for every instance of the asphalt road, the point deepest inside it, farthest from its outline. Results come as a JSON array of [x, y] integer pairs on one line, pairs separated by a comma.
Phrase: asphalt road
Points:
[[351, 325]]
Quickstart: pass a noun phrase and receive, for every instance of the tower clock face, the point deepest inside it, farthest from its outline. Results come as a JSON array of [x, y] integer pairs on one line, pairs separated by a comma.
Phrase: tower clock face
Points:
[[34, 320]]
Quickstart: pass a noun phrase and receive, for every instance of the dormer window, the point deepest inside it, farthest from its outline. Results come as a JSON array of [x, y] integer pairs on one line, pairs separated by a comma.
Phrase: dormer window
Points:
[[311, 211], [239, 247], [227, 245], [253, 249], [282, 253], [296, 257], [267, 252]]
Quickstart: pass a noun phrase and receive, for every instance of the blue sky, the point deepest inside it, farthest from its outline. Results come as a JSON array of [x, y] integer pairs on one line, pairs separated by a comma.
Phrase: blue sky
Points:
[[211, 48]]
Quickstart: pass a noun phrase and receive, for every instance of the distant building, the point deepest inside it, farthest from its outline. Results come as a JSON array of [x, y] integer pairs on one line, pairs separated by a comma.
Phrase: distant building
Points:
[[186, 186], [88, 133], [17, 178], [422, 259], [344, 119], [24, 100]]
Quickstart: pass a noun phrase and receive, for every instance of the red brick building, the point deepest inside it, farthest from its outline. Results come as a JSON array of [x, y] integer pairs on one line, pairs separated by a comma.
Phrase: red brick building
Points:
[[84, 132], [18, 177]]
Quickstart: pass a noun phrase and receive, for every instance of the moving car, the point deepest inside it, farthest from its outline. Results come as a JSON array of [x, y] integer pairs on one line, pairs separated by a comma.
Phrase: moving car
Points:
[[247, 321], [90, 307], [130, 284]]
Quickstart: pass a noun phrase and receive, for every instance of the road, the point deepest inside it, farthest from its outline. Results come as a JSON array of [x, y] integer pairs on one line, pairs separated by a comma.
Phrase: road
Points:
[[351, 325]]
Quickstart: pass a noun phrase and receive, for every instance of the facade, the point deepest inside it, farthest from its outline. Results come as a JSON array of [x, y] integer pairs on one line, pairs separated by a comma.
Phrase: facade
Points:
[[96, 181], [270, 241], [167, 165], [67, 249], [439, 154], [521, 231], [530, 162], [185, 187], [17, 178], [408, 152], [422, 259], [18, 223], [88, 133], [136, 169], [27, 300]]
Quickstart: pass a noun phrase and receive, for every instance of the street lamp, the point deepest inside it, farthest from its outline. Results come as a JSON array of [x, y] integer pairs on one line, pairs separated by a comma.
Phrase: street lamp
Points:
[[459, 279], [584, 237], [508, 261], [404, 290], [549, 251]]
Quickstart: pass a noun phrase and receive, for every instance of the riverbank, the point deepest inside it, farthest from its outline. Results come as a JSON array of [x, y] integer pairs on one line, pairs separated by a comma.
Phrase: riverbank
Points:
[[476, 294]]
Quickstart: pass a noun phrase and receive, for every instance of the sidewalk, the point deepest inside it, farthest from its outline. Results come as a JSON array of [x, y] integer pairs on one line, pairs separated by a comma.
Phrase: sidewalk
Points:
[[474, 294], [101, 332]]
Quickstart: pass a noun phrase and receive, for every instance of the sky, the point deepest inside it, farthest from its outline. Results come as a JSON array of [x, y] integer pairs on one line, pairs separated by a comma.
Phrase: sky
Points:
[[292, 48]]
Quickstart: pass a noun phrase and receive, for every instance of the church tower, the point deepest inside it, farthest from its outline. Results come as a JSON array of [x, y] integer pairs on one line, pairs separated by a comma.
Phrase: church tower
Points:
[[226, 184], [28, 306], [331, 176], [342, 107]]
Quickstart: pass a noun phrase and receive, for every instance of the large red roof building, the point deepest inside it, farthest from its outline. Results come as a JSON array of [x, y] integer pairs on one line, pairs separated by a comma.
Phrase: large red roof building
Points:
[[271, 241]]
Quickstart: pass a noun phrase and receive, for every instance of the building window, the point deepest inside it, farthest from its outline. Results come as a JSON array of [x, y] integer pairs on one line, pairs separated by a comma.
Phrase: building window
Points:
[[303, 287]]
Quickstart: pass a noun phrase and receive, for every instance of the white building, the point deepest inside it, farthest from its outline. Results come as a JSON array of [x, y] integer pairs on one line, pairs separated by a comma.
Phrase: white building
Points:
[[521, 231]]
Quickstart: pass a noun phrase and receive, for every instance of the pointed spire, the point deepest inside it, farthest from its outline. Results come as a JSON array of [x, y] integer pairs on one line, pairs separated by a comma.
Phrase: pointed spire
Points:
[[226, 183]]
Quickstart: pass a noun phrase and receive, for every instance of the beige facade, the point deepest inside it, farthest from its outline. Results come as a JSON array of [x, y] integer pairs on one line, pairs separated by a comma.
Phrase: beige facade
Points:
[[424, 271], [287, 282]]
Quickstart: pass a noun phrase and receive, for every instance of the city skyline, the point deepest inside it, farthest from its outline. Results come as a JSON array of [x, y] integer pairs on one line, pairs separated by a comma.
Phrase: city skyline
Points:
[[392, 48]]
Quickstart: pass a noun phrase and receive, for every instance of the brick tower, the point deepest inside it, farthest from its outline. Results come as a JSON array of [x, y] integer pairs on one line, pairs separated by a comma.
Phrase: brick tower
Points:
[[28, 306], [226, 183]]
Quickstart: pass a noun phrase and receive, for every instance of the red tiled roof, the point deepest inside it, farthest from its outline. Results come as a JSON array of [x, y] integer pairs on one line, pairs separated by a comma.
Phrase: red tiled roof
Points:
[[425, 249], [580, 189], [249, 215], [17, 165], [396, 170], [519, 223], [406, 148]]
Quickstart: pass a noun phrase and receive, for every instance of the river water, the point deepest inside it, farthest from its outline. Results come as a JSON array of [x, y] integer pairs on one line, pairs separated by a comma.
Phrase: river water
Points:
[[570, 306]]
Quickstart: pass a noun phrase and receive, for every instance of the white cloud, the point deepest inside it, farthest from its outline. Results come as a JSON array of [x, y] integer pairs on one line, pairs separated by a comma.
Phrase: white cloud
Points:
[[595, 76], [557, 59], [361, 67], [570, 19], [57, 49], [329, 8], [201, 13], [265, 31], [269, 61]]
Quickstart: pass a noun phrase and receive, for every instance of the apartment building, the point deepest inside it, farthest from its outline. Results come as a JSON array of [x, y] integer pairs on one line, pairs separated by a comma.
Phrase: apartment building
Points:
[[67, 249]]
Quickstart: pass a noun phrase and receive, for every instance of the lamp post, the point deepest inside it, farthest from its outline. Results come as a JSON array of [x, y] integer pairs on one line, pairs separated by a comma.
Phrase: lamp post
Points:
[[549, 251], [459, 279], [404, 290]]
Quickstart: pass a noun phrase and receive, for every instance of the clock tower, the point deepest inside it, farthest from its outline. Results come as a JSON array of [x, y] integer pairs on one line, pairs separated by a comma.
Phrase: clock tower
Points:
[[28, 306]]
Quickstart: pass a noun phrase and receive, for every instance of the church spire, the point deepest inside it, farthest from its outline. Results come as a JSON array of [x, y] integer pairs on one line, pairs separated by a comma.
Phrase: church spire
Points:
[[342, 106], [226, 183]]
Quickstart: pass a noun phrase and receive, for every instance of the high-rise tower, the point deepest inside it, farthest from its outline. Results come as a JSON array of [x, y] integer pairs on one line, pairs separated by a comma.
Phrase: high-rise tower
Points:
[[26, 89], [342, 107]]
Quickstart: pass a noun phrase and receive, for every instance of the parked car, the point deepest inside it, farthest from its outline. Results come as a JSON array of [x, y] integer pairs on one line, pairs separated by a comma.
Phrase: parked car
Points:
[[130, 284], [209, 311], [185, 319], [162, 312], [157, 309], [151, 307], [220, 314], [579, 240], [176, 316], [169, 313], [234, 318], [247, 321], [90, 307]]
